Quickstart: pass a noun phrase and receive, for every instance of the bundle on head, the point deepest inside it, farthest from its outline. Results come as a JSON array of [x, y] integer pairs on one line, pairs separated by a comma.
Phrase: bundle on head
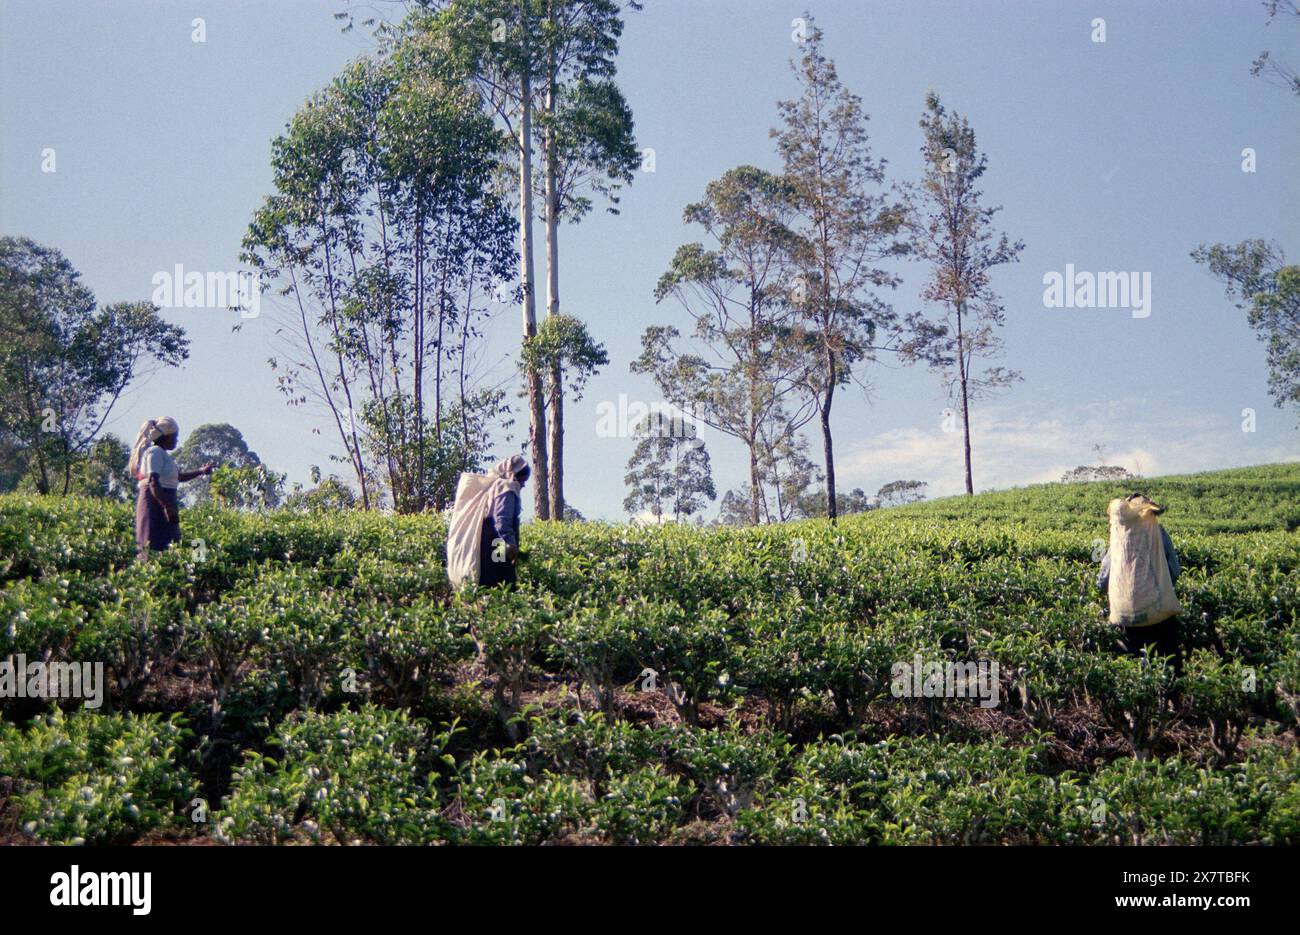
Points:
[[150, 432]]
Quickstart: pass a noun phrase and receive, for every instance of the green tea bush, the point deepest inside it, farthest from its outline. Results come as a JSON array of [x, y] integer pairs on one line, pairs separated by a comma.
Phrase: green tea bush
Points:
[[654, 684], [365, 776], [640, 807], [1223, 692], [88, 778], [1133, 693], [405, 651], [501, 802], [912, 791], [1172, 801]]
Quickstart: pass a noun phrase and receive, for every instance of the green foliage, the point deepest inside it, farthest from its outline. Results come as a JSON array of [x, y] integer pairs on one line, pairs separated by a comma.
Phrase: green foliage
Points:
[[734, 683], [252, 488], [64, 363], [399, 139], [1224, 692], [912, 791], [88, 778], [328, 496], [223, 445], [503, 804], [564, 341], [348, 778], [1134, 694], [1174, 802], [669, 472]]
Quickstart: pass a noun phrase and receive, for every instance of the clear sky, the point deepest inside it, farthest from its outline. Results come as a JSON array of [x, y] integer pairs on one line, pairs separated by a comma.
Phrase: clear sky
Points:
[[1114, 156]]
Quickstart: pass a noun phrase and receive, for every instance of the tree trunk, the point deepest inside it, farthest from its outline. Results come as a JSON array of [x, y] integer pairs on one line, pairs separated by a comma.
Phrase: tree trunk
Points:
[[557, 441], [34, 417], [965, 398], [67, 465], [536, 402], [965, 424], [418, 340], [828, 449], [556, 388], [828, 446]]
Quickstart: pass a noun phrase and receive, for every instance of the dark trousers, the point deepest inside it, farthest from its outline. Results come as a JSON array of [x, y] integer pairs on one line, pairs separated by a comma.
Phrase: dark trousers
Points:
[[493, 574], [1159, 639]]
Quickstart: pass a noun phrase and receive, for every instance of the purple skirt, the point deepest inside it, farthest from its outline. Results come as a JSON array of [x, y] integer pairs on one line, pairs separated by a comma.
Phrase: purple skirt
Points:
[[152, 531]]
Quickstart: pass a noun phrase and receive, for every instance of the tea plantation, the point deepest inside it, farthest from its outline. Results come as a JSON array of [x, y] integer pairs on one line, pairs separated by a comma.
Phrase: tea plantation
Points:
[[290, 678]]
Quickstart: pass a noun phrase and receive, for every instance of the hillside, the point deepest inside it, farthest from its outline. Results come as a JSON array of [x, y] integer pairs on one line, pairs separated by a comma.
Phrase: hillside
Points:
[[312, 678], [1248, 499]]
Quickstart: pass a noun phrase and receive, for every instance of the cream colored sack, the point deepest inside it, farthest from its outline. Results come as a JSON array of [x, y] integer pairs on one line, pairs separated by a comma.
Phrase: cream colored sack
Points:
[[474, 496], [1141, 592]]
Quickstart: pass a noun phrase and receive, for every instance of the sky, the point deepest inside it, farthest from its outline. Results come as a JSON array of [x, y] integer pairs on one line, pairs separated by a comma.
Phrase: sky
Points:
[[1114, 156]]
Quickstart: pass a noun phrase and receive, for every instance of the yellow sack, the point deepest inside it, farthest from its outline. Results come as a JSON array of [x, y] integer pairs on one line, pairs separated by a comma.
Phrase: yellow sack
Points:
[[1141, 591]]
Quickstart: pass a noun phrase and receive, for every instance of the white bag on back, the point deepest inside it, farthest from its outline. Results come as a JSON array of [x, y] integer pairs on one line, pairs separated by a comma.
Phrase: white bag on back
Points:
[[1141, 592], [473, 500], [474, 496]]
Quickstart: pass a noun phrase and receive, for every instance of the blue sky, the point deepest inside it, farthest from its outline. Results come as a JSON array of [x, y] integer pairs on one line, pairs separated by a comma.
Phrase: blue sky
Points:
[[1115, 156]]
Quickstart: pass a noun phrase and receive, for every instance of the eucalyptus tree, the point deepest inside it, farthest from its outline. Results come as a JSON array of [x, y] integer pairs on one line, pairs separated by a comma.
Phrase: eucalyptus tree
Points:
[[847, 225], [742, 363], [440, 154], [588, 149], [952, 231], [382, 223], [669, 473], [496, 44], [545, 70]]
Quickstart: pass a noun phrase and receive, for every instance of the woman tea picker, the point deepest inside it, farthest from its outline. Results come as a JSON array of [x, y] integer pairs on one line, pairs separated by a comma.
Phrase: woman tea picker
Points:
[[499, 541], [157, 514], [483, 533]]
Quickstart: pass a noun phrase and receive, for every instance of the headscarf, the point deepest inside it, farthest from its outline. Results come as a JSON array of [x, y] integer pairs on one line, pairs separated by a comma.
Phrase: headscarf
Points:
[[507, 468], [150, 432]]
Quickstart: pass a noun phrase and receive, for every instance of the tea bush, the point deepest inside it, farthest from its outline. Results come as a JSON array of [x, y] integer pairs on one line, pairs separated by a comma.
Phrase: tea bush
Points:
[[89, 778], [646, 685], [345, 778]]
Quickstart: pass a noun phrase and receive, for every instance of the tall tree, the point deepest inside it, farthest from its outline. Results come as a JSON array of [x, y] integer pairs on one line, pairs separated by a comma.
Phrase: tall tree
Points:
[[102, 470], [669, 472], [497, 42], [788, 473], [1259, 281], [587, 147], [847, 226], [545, 69], [953, 232], [64, 360], [383, 225], [744, 364]]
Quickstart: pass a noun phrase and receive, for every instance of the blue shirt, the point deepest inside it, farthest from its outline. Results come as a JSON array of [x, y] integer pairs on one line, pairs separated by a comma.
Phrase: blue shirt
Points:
[[1171, 558], [505, 517]]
